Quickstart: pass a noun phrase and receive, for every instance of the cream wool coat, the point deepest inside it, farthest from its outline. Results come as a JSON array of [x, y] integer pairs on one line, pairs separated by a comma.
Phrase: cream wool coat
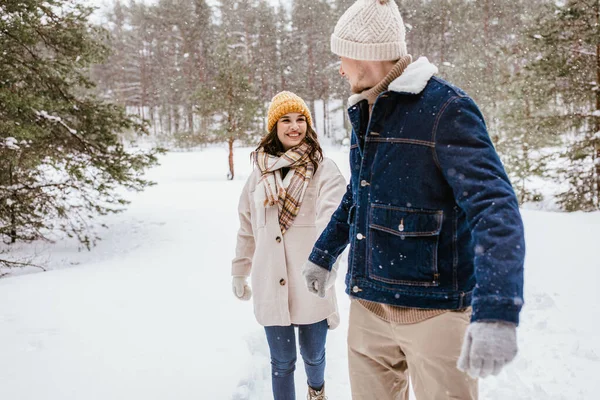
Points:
[[274, 261]]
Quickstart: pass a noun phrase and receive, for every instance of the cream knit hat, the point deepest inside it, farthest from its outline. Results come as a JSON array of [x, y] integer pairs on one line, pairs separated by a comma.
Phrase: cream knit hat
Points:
[[370, 30]]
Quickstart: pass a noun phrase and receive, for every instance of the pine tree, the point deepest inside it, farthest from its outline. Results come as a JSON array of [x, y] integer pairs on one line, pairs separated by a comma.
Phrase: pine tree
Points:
[[232, 97], [480, 47], [61, 161], [287, 54], [264, 50], [566, 46], [525, 146], [314, 67]]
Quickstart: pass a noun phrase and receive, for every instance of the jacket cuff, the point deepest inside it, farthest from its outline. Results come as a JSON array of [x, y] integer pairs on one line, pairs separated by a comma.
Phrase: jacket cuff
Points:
[[322, 258], [497, 309], [240, 270]]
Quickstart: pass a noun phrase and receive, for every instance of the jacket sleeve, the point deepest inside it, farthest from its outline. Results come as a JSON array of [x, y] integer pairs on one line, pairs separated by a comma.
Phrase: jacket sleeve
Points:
[[244, 250], [331, 189], [472, 168], [335, 236]]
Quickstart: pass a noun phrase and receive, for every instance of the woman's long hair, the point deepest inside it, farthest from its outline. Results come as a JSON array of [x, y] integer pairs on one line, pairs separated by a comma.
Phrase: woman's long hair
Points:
[[272, 145]]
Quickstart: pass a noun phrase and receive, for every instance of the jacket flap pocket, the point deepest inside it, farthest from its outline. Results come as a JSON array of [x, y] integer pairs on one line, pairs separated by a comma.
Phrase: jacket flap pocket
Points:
[[406, 221]]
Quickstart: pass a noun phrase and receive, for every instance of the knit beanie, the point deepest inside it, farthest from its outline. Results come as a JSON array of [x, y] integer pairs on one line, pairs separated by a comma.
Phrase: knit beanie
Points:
[[283, 103], [370, 30]]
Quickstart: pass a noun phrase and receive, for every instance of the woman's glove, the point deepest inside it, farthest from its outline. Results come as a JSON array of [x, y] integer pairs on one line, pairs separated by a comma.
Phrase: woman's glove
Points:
[[240, 288]]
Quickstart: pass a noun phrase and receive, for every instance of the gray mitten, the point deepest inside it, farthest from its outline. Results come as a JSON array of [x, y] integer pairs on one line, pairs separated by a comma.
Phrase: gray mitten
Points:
[[317, 278], [488, 346]]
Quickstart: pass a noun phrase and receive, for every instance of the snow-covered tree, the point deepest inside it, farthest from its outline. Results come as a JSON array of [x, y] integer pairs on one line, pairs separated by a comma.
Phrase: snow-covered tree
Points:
[[61, 160], [566, 46], [232, 97]]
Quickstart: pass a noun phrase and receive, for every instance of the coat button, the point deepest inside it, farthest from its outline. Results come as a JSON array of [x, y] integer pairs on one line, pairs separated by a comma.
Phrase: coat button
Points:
[[364, 183], [360, 236], [355, 289], [278, 239], [282, 282]]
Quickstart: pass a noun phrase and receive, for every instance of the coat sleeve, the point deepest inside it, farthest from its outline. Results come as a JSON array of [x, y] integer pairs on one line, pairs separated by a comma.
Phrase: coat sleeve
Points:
[[335, 236], [244, 250], [332, 187], [469, 163]]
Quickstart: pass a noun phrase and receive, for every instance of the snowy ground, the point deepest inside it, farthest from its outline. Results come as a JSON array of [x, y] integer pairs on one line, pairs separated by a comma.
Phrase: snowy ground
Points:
[[148, 314]]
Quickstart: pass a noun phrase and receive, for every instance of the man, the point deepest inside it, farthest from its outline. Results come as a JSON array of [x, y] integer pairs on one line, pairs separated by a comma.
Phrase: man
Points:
[[435, 270]]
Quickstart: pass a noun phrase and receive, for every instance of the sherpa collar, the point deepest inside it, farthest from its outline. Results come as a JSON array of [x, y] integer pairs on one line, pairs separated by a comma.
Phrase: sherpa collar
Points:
[[413, 80]]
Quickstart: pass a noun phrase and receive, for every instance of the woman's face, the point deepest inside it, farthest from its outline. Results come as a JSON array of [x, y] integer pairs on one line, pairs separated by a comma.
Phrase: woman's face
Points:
[[291, 130]]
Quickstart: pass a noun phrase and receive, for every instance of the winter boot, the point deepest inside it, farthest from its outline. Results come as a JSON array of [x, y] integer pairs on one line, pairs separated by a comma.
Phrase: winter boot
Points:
[[316, 394]]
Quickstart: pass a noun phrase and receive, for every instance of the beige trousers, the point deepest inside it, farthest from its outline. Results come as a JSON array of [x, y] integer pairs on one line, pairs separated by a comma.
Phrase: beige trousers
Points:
[[382, 355]]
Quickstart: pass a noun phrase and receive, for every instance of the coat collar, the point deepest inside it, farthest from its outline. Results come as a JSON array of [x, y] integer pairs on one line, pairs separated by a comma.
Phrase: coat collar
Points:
[[413, 80]]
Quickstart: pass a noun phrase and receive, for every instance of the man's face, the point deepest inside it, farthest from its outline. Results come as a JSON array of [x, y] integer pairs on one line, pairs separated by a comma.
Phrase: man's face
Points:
[[355, 72]]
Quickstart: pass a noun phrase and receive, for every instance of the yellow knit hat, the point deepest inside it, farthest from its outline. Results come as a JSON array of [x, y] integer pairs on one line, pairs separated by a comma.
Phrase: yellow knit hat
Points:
[[283, 103]]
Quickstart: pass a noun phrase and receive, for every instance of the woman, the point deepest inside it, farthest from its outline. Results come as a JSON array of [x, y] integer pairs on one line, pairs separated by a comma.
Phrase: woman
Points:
[[286, 203]]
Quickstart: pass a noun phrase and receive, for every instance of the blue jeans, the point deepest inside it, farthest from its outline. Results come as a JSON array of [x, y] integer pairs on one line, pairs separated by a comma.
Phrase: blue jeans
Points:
[[282, 344]]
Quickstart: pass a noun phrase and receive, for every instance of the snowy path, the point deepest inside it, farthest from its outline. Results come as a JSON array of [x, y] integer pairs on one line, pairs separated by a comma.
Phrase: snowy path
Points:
[[149, 314]]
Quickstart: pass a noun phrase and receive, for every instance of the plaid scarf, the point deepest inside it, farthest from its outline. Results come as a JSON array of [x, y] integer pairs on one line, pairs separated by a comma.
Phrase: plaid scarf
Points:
[[288, 199]]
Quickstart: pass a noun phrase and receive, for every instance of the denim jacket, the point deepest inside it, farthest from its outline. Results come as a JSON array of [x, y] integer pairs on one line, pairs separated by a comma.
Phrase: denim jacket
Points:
[[430, 214]]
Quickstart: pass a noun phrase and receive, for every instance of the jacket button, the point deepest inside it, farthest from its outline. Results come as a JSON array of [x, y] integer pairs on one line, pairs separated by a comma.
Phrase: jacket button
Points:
[[355, 289], [364, 183], [278, 239], [282, 282], [360, 236]]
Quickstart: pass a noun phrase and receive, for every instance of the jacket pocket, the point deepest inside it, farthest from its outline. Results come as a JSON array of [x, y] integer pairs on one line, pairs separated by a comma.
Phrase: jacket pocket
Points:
[[307, 215], [403, 245]]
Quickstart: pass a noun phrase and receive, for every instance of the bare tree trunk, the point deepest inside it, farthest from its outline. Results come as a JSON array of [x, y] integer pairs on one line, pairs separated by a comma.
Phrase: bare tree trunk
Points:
[[596, 157], [311, 74], [443, 36], [190, 118], [143, 80], [204, 125], [486, 38], [329, 127], [231, 171], [161, 120], [13, 217], [526, 153], [176, 118], [169, 120], [311, 105], [525, 149], [153, 119], [325, 130], [13, 224]]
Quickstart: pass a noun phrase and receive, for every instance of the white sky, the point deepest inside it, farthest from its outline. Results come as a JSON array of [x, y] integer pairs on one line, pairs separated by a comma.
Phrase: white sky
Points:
[[104, 5]]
